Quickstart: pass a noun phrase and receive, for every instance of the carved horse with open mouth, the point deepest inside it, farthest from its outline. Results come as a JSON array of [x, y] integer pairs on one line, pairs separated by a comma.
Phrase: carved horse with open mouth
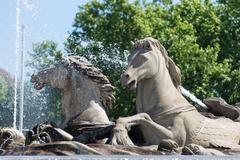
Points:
[[86, 92], [163, 113]]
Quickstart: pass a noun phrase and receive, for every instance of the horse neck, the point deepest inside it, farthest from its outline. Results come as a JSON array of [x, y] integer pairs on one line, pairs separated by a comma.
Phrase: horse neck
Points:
[[158, 94], [81, 98]]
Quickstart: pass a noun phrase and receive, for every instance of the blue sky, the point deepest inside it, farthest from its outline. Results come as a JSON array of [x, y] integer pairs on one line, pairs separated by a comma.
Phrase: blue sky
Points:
[[43, 19]]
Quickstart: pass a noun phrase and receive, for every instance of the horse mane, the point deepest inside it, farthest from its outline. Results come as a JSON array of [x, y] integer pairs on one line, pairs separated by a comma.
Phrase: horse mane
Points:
[[174, 71], [95, 74]]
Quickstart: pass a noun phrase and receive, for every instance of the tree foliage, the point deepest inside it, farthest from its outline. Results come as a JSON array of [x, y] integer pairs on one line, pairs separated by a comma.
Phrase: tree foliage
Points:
[[6, 98], [4, 85], [43, 55]]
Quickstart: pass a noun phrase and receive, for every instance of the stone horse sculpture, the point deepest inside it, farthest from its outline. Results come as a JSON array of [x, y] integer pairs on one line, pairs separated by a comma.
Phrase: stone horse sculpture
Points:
[[86, 91], [163, 113]]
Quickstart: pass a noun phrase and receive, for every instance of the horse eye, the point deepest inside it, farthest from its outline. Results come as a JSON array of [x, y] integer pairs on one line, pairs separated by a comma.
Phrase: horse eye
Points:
[[144, 58]]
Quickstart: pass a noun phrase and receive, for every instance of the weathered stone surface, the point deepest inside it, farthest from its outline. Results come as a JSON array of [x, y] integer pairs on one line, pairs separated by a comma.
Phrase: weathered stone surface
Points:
[[220, 107], [193, 149], [54, 148], [127, 150]]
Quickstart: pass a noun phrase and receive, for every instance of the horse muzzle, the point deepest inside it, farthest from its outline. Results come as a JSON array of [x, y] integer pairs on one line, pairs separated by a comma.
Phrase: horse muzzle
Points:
[[36, 81], [34, 78], [131, 84]]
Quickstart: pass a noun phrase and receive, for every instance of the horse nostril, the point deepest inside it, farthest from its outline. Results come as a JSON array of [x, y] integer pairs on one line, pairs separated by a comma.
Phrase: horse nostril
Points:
[[34, 78], [127, 76]]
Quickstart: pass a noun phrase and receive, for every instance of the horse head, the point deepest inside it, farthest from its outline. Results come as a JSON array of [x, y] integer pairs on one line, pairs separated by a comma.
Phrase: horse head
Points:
[[148, 58], [55, 76], [86, 90]]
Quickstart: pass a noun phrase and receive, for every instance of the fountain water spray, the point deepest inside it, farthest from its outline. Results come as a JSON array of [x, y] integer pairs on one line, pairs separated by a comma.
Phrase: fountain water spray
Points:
[[16, 63], [22, 81], [19, 51], [192, 97]]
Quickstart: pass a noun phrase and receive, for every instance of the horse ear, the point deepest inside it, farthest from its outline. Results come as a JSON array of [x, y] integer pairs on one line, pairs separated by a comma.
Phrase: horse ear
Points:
[[132, 45], [175, 73], [64, 61]]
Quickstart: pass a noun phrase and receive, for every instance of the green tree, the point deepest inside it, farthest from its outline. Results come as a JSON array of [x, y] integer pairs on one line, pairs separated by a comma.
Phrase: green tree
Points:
[[229, 13], [110, 22], [193, 39], [6, 99], [3, 89], [44, 55]]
